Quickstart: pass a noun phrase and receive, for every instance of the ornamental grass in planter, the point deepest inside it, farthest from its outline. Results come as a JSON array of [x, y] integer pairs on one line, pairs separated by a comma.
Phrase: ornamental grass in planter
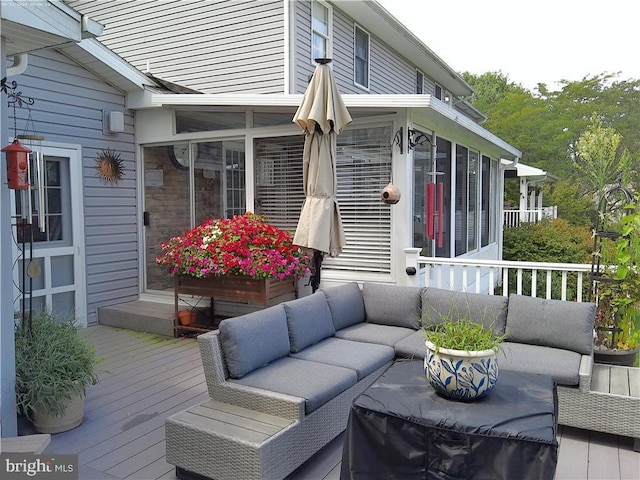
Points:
[[461, 359], [54, 365]]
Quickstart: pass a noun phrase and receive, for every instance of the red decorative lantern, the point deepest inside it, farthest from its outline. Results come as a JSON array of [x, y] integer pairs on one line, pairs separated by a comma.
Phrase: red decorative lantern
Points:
[[17, 165]]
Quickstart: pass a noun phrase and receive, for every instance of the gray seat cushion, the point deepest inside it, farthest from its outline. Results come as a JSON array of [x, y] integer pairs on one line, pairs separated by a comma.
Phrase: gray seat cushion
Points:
[[551, 323], [412, 347], [562, 365], [316, 382], [439, 305], [362, 357], [374, 333], [309, 321], [346, 304], [253, 340], [392, 304]]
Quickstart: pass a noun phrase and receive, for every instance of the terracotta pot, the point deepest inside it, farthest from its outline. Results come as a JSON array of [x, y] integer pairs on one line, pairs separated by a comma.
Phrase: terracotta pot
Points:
[[184, 317]]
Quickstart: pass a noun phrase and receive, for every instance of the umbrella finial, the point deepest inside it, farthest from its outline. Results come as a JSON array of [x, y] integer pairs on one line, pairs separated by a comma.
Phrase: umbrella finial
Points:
[[322, 61]]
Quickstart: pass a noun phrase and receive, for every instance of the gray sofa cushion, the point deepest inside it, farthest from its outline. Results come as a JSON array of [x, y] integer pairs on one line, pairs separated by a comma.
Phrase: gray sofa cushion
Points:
[[412, 347], [316, 382], [551, 323], [392, 304], [374, 333], [346, 304], [362, 357], [309, 321], [439, 305], [254, 339], [562, 365]]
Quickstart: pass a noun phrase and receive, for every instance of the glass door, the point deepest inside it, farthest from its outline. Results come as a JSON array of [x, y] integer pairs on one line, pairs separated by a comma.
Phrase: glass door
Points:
[[53, 271]]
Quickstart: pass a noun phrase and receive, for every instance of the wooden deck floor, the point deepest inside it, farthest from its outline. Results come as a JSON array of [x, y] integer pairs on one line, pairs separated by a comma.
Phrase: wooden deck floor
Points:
[[149, 377]]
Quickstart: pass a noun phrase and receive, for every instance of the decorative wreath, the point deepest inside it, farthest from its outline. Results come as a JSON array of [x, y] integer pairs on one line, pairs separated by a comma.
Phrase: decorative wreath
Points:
[[109, 166]]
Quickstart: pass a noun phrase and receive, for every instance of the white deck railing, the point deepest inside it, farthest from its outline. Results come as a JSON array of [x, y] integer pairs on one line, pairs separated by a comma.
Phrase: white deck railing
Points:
[[562, 281], [513, 218]]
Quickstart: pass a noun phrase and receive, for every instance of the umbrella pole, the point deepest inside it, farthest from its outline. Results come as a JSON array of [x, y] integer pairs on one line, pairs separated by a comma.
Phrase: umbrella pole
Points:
[[315, 274]]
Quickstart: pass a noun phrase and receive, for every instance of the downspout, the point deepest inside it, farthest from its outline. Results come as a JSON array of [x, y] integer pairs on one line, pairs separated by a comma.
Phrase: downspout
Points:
[[20, 64]]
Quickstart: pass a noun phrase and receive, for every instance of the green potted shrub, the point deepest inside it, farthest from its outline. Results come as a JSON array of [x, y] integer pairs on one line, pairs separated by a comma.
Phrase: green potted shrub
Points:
[[54, 365], [461, 360], [618, 294]]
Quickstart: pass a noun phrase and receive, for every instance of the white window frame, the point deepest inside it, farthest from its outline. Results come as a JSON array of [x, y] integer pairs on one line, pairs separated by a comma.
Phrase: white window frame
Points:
[[422, 89], [355, 57], [328, 37]]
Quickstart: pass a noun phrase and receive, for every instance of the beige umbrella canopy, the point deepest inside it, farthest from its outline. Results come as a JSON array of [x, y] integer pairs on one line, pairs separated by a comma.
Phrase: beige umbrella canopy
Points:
[[322, 116]]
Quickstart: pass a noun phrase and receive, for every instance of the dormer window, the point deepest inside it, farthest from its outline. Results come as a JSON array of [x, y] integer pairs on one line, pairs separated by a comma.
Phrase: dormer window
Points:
[[321, 31]]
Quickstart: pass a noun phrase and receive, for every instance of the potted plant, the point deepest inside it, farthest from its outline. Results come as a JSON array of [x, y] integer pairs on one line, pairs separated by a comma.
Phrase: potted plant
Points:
[[617, 294], [54, 365], [461, 359]]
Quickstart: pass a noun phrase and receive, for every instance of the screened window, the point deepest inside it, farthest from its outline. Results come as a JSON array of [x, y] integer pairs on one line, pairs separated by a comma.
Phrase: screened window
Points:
[[443, 164], [472, 208], [422, 174], [363, 169], [321, 30], [485, 201], [462, 195], [361, 61], [419, 82]]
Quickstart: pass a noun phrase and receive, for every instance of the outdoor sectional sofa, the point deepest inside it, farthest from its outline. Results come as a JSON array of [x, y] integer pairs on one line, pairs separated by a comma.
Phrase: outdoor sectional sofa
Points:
[[282, 380]]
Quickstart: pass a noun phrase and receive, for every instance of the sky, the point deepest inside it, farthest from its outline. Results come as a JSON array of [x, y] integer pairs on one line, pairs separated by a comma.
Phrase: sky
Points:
[[530, 41]]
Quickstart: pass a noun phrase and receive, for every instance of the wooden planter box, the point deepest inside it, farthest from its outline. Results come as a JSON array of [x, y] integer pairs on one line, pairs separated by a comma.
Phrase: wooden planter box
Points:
[[232, 288]]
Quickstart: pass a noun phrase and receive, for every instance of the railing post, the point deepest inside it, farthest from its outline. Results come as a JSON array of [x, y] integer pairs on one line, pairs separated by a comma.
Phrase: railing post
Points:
[[411, 267]]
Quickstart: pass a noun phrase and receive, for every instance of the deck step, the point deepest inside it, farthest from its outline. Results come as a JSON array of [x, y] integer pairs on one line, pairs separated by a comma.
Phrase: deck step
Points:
[[139, 315]]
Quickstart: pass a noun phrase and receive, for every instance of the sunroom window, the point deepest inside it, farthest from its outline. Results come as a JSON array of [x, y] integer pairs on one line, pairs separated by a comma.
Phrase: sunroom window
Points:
[[363, 169]]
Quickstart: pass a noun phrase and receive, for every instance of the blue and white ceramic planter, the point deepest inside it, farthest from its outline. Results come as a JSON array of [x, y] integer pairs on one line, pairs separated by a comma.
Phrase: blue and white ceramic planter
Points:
[[461, 375]]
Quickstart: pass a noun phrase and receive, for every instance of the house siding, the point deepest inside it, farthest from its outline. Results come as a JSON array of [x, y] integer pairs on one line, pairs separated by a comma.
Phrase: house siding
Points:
[[390, 72], [215, 47], [68, 109]]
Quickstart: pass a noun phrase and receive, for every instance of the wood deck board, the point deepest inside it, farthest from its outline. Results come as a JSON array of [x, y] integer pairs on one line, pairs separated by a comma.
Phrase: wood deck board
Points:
[[127, 439]]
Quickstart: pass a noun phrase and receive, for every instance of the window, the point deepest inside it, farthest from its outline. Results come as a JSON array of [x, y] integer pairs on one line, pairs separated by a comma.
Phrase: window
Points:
[[462, 196], [472, 209], [361, 60], [419, 82], [443, 164], [321, 31], [485, 201], [439, 92], [363, 169]]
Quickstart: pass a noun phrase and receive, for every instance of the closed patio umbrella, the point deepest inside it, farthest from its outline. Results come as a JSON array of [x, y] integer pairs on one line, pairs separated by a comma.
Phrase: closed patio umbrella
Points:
[[322, 116]]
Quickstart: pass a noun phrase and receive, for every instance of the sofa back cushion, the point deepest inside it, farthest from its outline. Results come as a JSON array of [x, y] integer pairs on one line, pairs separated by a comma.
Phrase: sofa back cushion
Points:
[[346, 305], [392, 305], [253, 340], [551, 323], [308, 320], [439, 305]]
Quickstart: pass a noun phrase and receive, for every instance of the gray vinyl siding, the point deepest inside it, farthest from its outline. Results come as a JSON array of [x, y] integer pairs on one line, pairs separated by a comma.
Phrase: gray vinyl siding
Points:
[[390, 72], [212, 46], [69, 101]]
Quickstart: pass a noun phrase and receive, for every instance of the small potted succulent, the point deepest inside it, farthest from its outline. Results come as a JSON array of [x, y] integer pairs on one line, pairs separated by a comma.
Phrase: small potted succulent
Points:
[[461, 359], [54, 365]]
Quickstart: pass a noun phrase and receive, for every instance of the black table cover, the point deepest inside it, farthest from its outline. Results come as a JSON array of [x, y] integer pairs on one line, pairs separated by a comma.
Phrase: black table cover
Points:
[[400, 428]]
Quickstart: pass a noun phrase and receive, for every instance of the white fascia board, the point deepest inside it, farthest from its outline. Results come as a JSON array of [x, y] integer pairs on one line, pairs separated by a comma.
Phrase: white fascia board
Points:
[[392, 102], [115, 62], [54, 18]]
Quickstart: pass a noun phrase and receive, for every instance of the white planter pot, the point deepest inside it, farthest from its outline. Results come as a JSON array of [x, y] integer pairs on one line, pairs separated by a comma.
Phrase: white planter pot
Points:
[[461, 375], [46, 423]]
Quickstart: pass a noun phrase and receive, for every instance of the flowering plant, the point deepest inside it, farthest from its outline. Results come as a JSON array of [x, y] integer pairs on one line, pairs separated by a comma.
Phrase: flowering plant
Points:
[[242, 245]]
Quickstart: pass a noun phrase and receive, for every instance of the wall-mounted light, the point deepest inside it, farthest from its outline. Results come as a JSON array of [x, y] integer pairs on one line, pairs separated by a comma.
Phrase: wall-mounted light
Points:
[[414, 138]]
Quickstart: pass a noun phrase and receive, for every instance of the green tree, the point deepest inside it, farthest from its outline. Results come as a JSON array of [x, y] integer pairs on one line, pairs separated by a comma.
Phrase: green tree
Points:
[[600, 158]]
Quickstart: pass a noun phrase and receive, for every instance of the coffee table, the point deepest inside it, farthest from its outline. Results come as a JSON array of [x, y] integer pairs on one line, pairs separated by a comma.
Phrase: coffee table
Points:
[[401, 428]]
